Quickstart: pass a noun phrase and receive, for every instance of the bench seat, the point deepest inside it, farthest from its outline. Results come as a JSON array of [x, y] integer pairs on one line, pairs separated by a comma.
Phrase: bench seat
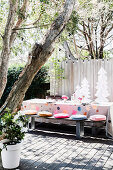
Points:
[[68, 121]]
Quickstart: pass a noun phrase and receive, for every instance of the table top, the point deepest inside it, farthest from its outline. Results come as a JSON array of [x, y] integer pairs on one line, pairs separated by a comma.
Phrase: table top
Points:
[[71, 107], [68, 102]]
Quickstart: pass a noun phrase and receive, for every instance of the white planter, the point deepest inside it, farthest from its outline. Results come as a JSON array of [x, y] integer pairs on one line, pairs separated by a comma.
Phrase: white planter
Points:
[[11, 156]]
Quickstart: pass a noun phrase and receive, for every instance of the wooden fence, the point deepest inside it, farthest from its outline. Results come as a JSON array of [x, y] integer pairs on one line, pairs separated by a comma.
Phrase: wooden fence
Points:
[[75, 71]]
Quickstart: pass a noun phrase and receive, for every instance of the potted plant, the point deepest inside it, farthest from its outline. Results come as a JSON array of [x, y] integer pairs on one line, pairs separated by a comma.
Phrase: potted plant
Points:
[[12, 129]]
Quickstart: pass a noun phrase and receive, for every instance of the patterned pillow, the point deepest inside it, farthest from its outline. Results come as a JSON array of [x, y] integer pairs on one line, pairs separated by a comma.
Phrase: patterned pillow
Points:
[[45, 114], [97, 117], [78, 117], [61, 115]]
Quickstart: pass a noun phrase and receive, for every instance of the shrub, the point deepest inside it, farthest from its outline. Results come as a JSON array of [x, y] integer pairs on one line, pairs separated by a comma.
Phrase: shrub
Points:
[[13, 126], [37, 89]]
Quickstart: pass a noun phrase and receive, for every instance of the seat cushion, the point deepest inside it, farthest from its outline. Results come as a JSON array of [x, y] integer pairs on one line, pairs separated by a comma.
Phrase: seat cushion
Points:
[[97, 117], [78, 117], [61, 115], [29, 112], [45, 114]]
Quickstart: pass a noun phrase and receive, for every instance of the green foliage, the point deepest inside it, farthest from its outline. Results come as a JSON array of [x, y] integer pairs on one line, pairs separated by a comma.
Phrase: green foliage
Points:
[[13, 125], [73, 23], [84, 53], [107, 54], [45, 1], [37, 88], [40, 85], [39, 14], [57, 71]]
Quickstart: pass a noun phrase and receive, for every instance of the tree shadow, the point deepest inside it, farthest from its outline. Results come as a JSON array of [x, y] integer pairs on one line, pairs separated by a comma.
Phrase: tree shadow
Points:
[[69, 132]]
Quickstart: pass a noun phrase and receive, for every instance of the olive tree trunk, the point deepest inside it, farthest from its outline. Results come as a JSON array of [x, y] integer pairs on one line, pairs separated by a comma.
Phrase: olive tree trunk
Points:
[[8, 39], [39, 55]]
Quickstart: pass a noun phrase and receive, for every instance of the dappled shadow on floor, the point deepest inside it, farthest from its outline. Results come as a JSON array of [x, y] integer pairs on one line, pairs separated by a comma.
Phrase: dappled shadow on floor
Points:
[[86, 154], [58, 165], [69, 132], [71, 136], [53, 147]]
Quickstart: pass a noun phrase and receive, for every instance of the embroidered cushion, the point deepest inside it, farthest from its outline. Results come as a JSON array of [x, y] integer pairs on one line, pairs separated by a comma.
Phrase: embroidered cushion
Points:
[[78, 117], [61, 115], [97, 117], [45, 114]]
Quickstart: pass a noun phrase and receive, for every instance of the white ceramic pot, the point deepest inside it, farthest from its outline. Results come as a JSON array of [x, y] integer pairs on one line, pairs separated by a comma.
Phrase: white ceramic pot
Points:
[[11, 156]]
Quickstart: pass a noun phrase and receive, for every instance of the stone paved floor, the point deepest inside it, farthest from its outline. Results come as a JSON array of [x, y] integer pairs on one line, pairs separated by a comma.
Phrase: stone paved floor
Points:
[[51, 150]]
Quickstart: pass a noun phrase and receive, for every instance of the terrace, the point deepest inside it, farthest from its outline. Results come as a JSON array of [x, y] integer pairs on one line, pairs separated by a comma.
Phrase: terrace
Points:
[[56, 67], [53, 147]]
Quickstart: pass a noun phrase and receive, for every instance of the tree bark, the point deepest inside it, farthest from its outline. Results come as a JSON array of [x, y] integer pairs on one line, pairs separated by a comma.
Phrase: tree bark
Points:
[[40, 53], [102, 36], [6, 50], [76, 49], [68, 52], [19, 22], [8, 40], [86, 36]]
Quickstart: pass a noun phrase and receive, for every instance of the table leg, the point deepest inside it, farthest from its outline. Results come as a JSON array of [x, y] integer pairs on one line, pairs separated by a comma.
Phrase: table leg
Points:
[[79, 129], [94, 131], [32, 122], [82, 128]]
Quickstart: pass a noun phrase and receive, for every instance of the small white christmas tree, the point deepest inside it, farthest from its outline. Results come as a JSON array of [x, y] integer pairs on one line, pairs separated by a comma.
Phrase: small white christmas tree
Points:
[[102, 88], [85, 93], [77, 93]]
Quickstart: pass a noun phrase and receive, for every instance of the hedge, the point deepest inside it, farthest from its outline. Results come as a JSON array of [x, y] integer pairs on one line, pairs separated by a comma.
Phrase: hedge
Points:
[[37, 89]]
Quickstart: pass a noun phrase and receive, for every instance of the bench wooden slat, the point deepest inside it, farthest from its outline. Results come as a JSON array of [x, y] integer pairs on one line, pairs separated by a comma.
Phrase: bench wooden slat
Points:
[[68, 121]]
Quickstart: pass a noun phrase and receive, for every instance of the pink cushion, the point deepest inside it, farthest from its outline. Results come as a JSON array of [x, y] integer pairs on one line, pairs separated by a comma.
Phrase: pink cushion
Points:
[[98, 117], [61, 115]]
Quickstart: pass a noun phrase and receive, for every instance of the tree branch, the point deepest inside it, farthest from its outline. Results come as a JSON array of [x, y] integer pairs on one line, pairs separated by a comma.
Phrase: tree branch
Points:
[[6, 44], [107, 44], [76, 50], [102, 37], [68, 52], [108, 31], [10, 21], [85, 36], [59, 24], [82, 47], [83, 31], [41, 52], [1, 35], [35, 22], [91, 38], [109, 17], [20, 20], [25, 28]]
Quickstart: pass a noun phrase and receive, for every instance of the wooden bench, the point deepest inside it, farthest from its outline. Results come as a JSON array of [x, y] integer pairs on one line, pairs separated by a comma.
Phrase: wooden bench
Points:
[[79, 124]]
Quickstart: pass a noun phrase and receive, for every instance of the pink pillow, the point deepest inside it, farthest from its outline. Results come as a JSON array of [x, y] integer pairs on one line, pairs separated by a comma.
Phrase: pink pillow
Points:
[[98, 117], [61, 115]]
